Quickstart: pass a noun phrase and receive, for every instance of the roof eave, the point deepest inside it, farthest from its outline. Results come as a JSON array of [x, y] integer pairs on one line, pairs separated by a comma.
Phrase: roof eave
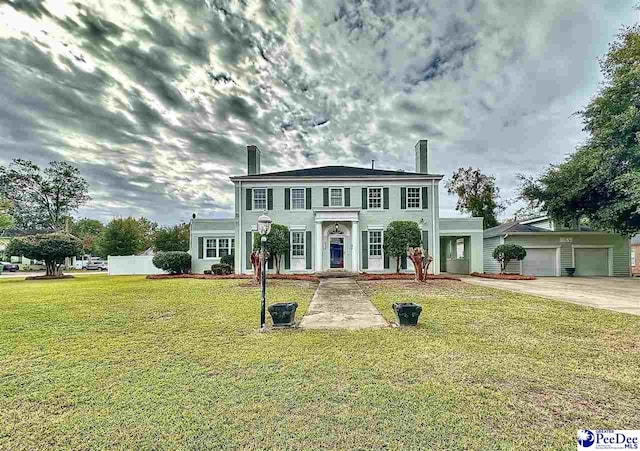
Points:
[[250, 178]]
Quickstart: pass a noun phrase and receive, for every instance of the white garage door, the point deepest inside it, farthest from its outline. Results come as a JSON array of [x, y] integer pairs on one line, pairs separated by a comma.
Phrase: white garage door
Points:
[[540, 262], [592, 262]]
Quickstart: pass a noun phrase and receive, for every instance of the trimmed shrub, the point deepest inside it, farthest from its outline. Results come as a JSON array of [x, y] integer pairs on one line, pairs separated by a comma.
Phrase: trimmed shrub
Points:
[[504, 253], [207, 272], [221, 269], [227, 260], [176, 262]]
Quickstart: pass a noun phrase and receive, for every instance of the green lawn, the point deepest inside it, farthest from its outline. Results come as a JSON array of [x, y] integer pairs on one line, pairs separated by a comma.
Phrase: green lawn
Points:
[[126, 362]]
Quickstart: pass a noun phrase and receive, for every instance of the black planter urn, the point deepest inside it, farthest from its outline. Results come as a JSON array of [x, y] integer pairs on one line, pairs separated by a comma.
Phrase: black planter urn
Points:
[[283, 314], [570, 271], [407, 313]]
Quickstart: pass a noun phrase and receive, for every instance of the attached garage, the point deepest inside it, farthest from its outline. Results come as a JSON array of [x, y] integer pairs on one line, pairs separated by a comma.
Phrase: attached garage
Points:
[[540, 262], [591, 261]]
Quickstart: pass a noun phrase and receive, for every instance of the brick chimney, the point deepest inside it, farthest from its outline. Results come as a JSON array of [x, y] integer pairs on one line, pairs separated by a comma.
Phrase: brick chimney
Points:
[[253, 160], [423, 162]]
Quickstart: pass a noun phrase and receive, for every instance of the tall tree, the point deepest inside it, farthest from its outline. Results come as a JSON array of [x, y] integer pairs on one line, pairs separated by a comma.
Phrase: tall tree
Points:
[[88, 231], [600, 182], [477, 194], [6, 221], [176, 238], [122, 236], [399, 237], [52, 248], [42, 198]]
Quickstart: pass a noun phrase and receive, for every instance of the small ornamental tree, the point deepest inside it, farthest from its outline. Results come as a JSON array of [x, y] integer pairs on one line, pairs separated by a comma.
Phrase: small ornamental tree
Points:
[[399, 237], [277, 244], [504, 253], [52, 248], [176, 262]]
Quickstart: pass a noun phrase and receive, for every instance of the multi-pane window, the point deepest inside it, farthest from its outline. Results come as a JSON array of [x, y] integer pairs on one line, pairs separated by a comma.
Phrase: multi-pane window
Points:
[[413, 197], [211, 248], [259, 198], [375, 243], [375, 197], [335, 197], [297, 198], [297, 244], [218, 247]]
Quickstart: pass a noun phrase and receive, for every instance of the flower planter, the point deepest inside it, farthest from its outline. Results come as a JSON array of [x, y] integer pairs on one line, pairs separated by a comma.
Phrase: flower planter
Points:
[[407, 313], [570, 271], [283, 314]]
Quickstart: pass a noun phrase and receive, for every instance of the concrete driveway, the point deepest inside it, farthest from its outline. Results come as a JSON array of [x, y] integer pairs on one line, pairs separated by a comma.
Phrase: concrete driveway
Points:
[[619, 294]]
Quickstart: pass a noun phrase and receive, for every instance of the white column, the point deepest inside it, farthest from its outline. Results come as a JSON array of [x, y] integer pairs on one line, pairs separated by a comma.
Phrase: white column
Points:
[[355, 246], [318, 247]]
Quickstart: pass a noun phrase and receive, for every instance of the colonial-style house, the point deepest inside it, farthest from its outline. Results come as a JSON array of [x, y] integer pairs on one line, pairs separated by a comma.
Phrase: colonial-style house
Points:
[[337, 217]]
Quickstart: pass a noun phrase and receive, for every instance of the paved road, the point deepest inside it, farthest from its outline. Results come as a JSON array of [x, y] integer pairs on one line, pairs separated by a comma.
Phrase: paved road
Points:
[[18, 274], [619, 294], [341, 304]]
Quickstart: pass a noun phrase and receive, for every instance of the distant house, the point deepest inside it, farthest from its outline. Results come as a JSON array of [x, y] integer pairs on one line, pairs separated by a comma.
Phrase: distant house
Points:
[[635, 255], [552, 248]]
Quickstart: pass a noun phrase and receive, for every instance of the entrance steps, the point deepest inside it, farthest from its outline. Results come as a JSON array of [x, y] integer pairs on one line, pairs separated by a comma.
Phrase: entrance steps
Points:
[[336, 274]]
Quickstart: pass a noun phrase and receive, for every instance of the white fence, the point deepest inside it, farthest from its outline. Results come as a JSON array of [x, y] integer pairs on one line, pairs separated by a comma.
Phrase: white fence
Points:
[[133, 264]]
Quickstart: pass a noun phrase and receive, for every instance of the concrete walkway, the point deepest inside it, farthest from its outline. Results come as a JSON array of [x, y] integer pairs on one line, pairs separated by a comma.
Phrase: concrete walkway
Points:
[[341, 304], [612, 293]]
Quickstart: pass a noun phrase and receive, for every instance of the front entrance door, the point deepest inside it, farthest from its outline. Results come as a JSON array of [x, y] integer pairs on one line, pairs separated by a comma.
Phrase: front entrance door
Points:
[[336, 252]]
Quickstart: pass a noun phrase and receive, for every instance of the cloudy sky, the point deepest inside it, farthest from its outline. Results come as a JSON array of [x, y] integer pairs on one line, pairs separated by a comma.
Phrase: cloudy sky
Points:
[[155, 100]]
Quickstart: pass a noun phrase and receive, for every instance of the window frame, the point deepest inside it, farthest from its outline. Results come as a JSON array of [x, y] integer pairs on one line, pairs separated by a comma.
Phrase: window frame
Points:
[[634, 257], [253, 198], [457, 248], [419, 188], [304, 197], [303, 244], [230, 248], [337, 188], [369, 189], [381, 243]]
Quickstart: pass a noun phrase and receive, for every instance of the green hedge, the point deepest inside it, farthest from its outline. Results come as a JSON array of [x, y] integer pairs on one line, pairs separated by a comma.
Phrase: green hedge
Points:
[[176, 262]]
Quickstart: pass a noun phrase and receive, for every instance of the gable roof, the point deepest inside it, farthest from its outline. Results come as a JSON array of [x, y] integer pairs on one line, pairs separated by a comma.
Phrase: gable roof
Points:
[[337, 171], [512, 227]]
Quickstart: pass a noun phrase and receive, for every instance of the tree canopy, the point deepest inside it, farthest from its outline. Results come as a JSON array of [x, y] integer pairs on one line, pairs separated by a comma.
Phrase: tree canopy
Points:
[[122, 236], [41, 199], [88, 231], [504, 253], [278, 243], [477, 194], [600, 181], [6, 220], [176, 238], [52, 248], [399, 237]]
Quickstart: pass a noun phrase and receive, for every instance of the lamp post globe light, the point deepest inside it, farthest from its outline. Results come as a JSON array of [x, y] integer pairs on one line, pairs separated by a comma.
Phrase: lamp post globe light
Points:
[[264, 227]]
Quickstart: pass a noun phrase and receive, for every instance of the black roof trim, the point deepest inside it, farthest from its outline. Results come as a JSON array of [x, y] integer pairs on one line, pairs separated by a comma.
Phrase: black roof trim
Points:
[[337, 171]]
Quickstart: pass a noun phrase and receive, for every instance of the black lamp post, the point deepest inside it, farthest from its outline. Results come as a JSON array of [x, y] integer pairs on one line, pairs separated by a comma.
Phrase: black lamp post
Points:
[[264, 227]]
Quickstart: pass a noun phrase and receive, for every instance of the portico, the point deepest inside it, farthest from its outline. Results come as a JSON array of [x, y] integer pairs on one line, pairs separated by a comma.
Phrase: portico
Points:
[[337, 241]]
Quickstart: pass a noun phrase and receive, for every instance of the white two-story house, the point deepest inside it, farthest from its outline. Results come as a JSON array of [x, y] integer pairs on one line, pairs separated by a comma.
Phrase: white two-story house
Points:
[[337, 216]]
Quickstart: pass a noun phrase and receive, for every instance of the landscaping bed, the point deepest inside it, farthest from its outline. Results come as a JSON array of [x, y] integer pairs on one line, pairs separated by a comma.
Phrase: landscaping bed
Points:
[[64, 276], [367, 276], [503, 276], [307, 277]]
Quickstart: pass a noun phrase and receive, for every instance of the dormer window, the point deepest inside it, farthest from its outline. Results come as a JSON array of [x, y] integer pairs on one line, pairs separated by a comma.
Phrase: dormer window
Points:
[[336, 197]]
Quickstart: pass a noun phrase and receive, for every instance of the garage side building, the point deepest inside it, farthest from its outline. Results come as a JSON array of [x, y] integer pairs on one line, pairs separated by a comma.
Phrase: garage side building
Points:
[[551, 250]]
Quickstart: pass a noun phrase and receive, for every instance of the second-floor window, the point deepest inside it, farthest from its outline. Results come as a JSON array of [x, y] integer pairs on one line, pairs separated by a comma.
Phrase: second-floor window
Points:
[[259, 198], [413, 197], [297, 198], [297, 244], [375, 243], [336, 197], [375, 198]]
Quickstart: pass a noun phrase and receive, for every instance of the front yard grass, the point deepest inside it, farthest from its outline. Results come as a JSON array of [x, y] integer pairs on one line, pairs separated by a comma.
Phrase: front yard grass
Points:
[[126, 362]]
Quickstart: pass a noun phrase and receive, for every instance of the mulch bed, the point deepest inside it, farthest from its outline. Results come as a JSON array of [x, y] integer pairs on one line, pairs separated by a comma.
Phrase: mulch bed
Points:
[[503, 276], [307, 277], [66, 276], [366, 276]]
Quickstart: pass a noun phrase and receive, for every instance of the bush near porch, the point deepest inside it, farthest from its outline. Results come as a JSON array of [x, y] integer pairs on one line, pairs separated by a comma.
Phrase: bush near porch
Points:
[[97, 362]]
